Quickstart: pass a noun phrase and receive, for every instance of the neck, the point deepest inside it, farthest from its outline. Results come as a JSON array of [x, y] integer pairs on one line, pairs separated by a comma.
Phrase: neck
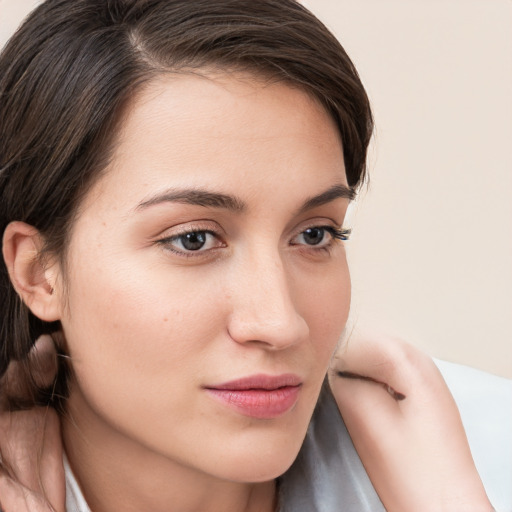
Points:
[[118, 473]]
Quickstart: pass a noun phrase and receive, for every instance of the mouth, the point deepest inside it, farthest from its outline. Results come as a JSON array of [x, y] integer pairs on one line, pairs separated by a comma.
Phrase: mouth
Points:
[[259, 396]]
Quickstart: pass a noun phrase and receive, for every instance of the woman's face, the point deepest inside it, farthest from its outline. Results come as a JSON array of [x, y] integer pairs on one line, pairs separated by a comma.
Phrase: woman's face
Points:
[[205, 288]]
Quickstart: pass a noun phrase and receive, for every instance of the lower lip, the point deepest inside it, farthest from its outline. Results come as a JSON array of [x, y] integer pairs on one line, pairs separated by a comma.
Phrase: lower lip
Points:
[[258, 403]]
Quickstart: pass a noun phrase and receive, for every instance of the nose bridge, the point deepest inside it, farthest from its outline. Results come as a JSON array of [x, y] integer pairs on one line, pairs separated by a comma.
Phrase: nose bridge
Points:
[[263, 308]]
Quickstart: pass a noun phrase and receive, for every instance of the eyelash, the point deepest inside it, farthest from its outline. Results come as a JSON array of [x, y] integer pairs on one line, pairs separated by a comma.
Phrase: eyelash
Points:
[[336, 234], [168, 241]]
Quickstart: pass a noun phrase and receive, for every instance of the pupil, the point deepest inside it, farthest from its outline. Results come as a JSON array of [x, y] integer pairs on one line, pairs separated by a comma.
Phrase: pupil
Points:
[[193, 241], [313, 236]]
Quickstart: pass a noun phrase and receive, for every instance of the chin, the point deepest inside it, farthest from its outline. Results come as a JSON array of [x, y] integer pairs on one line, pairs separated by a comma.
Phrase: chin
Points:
[[260, 462], [262, 453]]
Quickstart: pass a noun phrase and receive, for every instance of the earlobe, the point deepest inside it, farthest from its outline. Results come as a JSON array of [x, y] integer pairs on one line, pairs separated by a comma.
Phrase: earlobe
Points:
[[34, 282]]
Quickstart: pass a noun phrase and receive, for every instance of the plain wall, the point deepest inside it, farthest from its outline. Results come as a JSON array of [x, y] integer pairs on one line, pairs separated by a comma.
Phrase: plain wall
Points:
[[431, 251]]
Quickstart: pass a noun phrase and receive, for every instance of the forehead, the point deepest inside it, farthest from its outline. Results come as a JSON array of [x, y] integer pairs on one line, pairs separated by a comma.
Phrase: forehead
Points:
[[223, 130]]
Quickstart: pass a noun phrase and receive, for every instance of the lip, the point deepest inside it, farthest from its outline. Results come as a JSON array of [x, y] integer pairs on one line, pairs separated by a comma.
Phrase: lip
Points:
[[259, 396]]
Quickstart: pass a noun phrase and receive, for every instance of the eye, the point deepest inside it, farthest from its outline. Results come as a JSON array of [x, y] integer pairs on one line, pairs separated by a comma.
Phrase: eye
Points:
[[320, 236], [192, 241], [313, 236]]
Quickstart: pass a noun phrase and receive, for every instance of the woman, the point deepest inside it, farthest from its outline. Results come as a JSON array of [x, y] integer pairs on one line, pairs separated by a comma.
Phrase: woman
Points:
[[175, 177]]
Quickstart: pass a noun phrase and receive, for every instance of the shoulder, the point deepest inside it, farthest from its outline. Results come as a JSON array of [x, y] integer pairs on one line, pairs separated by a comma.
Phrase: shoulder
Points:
[[485, 405]]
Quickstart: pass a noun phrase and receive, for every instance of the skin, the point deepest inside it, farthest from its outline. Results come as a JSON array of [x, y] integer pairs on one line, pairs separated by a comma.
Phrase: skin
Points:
[[148, 324], [405, 426], [388, 433], [140, 430]]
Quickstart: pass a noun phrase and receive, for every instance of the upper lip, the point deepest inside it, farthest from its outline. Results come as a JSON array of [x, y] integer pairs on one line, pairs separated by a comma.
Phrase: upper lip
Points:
[[260, 381]]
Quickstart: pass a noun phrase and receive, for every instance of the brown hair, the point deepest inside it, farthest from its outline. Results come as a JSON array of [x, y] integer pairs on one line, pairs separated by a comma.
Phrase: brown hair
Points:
[[71, 67]]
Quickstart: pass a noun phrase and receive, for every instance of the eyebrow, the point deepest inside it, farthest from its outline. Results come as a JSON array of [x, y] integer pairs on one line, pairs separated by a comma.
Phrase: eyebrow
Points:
[[196, 197], [199, 197], [339, 191]]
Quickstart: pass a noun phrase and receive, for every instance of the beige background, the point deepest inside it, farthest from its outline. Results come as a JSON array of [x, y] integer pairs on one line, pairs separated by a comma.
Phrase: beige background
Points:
[[431, 252]]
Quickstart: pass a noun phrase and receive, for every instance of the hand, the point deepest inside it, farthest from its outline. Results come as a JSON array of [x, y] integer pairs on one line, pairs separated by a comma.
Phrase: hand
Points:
[[31, 473], [406, 427]]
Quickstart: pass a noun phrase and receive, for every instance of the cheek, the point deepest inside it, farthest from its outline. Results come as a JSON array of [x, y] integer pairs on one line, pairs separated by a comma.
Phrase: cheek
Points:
[[325, 303], [136, 326], [143, 335]]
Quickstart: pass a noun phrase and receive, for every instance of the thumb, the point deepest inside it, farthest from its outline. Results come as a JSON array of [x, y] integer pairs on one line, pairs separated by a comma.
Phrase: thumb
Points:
[[38, 370]]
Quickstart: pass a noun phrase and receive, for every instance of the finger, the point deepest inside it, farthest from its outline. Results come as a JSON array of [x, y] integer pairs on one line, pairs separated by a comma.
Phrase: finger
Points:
[[399, 368], [43, 361], [385, 359], [403, 442], [31, 447], [51, 463], [368, 409], [21, 441], [37, 370], [350, 375], [412, 453]]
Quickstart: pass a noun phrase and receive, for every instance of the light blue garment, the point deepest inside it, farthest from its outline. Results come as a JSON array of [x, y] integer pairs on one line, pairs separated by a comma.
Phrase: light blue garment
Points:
[[328, 475], [75, 501], [485, 406]]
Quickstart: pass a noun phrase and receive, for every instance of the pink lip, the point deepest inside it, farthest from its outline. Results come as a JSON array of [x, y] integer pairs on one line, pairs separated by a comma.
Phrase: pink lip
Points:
[[259, 396]]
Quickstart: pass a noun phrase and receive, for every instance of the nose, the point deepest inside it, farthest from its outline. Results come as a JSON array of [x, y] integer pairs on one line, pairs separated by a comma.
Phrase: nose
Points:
[[263, 305]]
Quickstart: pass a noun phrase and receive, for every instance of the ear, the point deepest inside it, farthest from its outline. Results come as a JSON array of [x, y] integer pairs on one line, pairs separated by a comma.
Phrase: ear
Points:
[[33, 280]]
